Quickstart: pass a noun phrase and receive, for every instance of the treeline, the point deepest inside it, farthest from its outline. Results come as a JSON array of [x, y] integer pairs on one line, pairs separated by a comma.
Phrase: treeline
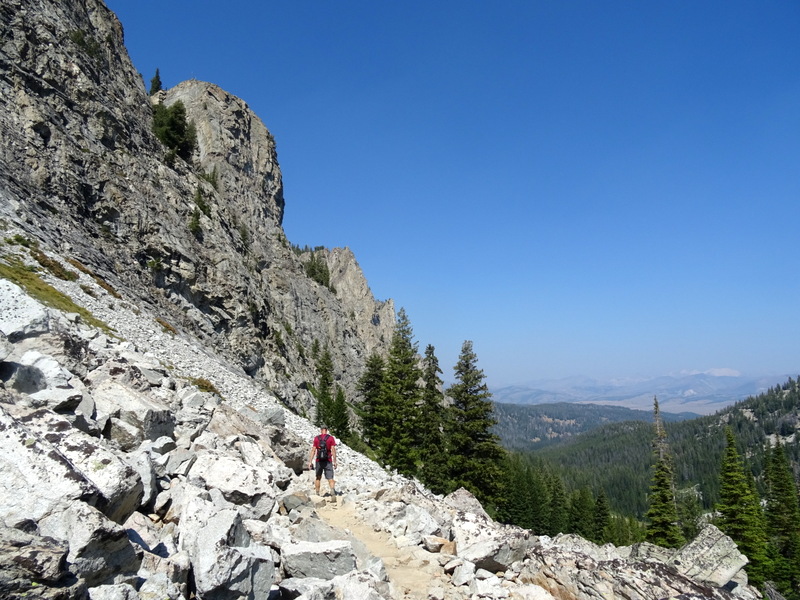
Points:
[[407, 421], [411, 427]]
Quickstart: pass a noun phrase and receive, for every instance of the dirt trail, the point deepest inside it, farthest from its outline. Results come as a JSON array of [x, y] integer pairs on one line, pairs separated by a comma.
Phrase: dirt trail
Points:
[[411, 576]]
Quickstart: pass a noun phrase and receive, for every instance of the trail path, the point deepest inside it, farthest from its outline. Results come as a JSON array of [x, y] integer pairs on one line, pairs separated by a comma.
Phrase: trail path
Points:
[[411, 576]]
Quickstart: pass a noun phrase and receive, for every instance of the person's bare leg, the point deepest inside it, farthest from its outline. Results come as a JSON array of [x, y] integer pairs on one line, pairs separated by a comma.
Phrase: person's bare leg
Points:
[[332, 485]]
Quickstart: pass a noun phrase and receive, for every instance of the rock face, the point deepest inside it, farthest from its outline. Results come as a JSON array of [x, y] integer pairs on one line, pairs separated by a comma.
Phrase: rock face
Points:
[[82, 172], [152, 376]]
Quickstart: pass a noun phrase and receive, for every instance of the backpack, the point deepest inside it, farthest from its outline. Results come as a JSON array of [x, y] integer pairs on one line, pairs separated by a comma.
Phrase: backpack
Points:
[[322, 448]]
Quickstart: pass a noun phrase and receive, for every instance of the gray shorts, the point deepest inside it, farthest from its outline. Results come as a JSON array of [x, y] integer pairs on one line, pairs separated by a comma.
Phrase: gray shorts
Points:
[[324, 467]]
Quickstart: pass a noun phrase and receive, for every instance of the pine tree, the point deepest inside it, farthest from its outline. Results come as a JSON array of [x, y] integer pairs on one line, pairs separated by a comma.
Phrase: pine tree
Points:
[[602, 519], [581, 517], [662, 513], [373, 410], [155, 83], [431, 426], [514, 507], [401, 397], [339, 419], [538, 498], [476, 454], [174, 131], [783, 524], [690, 511], [739, 508], [558, 521]]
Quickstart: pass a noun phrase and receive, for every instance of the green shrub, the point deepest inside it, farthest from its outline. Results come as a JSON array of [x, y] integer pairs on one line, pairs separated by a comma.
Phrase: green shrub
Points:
[[200, 201], [317, 269], [21, 240], [55, 267], [98, 280], [86, 42], [174, 131], [194, 223], [204, 385]]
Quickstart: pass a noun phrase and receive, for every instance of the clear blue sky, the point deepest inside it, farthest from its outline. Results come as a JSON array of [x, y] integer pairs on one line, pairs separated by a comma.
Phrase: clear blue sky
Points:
[[601, 188]]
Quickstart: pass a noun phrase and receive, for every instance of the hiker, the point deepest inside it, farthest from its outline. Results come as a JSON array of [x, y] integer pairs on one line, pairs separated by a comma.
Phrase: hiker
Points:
[[324, 449]]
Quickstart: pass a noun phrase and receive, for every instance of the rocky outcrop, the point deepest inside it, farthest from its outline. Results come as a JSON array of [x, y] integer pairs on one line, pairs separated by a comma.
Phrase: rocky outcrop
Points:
[[82, 173]]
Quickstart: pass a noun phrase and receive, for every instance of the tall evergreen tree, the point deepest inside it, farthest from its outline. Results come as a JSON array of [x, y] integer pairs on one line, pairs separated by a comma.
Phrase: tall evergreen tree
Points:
[[538, 498], [602, 519], [739, 508], [339, 419], [373, 407], [558, 521], [783, 524], [402, 394], [155, 83], [476, 454], [690, 511], [514, 508], [581, 518], [431, 426], [526, 498], [662, 513]]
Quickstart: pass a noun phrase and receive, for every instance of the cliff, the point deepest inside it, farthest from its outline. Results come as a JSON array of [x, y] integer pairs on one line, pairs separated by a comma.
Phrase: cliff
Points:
[[83, 173], [156, 339]]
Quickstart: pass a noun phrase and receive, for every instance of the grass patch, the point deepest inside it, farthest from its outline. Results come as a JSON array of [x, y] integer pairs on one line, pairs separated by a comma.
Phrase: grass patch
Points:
[[166, 326], [97, 279], [28, 279], [204, 385], [55, 267]]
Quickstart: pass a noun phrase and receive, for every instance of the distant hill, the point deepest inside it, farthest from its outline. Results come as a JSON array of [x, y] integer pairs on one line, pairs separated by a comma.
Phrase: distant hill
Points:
[[701, 393], [530, 427], [617, 457]]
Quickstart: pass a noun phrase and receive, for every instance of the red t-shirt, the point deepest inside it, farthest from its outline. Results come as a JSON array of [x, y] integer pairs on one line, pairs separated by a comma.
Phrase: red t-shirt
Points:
[[329, 442]]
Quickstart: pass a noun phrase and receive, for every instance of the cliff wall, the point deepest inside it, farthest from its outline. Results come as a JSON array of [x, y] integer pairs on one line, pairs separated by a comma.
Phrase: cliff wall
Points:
[[82, 173]]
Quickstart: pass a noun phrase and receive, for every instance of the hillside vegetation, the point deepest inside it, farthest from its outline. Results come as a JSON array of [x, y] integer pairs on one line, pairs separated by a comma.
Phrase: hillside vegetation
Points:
[[526, 427], [617, 458]]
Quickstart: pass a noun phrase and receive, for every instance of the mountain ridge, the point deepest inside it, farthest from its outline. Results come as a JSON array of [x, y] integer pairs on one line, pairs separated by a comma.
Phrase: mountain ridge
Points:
[[701, 393]]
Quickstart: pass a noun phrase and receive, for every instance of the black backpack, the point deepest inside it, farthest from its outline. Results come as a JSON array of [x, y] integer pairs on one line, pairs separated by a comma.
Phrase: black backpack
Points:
[[322, 449]]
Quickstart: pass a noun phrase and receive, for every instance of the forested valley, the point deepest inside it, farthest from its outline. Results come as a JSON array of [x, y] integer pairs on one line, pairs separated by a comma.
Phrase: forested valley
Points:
[[655, 480]]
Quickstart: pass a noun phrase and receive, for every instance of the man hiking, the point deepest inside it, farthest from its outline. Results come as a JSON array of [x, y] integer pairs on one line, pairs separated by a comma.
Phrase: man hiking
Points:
[[324, 450]]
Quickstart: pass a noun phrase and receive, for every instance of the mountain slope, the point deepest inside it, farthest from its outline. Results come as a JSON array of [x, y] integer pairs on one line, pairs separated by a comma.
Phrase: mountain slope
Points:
[[618, 457], [531, 427]]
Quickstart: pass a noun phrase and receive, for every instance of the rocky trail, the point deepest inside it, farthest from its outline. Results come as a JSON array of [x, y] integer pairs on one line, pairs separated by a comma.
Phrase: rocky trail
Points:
[[411, 577]]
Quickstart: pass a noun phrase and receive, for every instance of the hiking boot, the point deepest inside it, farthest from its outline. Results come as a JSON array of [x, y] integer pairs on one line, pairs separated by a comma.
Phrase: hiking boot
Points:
[[333, 499]]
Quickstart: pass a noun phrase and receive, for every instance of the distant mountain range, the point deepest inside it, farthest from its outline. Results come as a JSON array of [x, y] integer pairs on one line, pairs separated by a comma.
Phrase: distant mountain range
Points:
[[701, 393]]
